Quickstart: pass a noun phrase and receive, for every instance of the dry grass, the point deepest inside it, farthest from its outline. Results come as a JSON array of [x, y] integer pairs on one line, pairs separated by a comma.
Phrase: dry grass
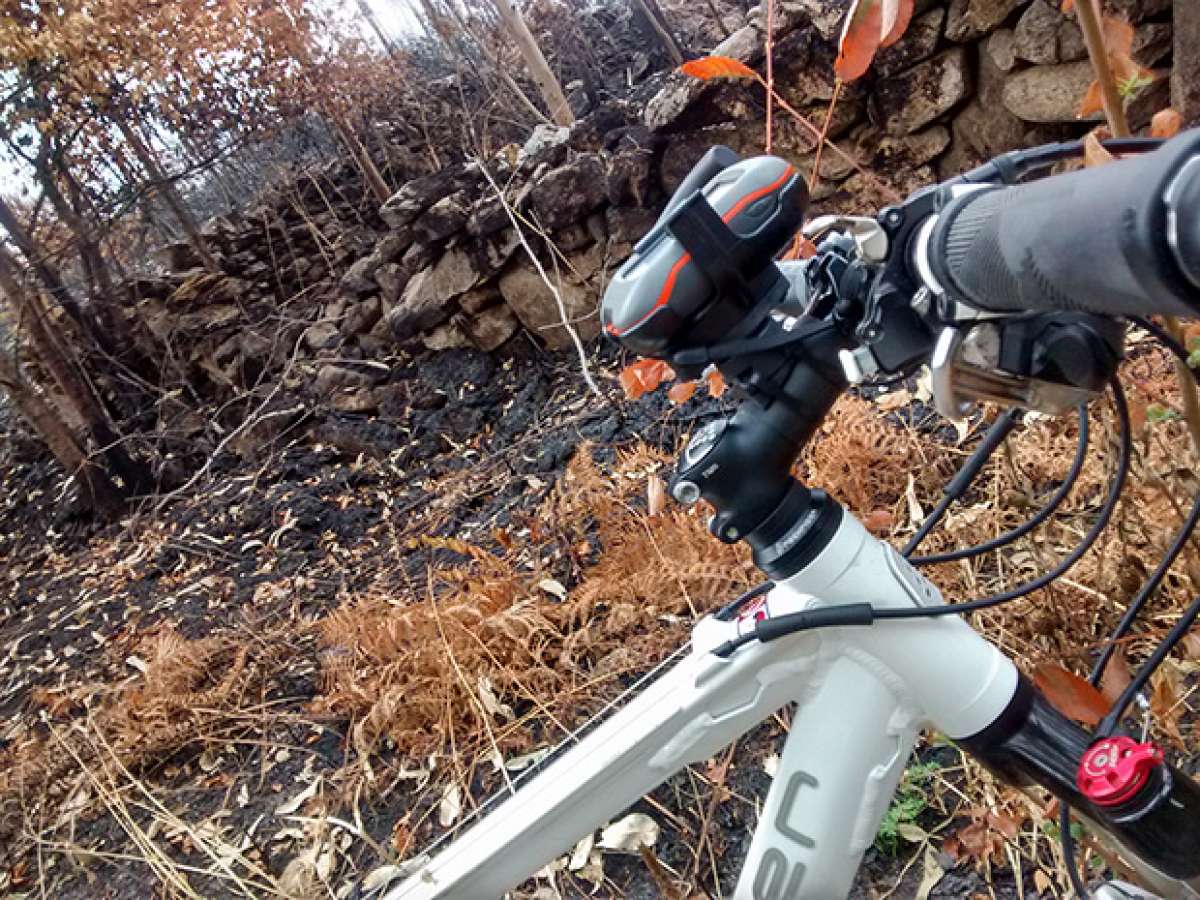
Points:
[[496, 630]]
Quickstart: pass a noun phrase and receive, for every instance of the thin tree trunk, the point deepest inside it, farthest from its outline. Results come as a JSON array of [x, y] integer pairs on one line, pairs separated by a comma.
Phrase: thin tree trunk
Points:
[[76, 390], [365, 164], [166, 189], [539, 69], [102, 494], [47, 273], [654, 15]]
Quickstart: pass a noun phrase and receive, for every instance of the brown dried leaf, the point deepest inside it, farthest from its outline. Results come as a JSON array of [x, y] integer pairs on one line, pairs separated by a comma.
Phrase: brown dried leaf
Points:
[[1116, 677], [656, 496], [1092, 102], [860, 39], [879, 521], [1070, 694], [1094, 153]]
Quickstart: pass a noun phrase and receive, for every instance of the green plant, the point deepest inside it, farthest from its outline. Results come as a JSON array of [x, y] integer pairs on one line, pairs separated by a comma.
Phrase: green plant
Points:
[[911, 799]]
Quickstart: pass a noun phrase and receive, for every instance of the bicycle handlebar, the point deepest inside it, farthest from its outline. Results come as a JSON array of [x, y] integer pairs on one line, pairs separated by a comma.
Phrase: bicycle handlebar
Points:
[[1119, 240]]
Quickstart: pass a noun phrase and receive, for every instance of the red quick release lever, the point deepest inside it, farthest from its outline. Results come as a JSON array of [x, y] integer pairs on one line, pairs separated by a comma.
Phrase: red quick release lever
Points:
[[1115, 769]]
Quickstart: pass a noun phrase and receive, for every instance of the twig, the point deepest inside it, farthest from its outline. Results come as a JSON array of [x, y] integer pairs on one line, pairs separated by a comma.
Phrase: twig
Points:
[[770, 49], [887, 190], [252, 419], [562, 308], [1093, 36], [816, 169]]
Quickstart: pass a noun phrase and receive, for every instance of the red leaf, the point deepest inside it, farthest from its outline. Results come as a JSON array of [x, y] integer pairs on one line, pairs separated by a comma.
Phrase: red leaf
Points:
[[801, 248], [716, 383], [682, 392], [860, 40], [1070, 694], [1118, 36], [1093, 101], [1166, 124], [717, 67], [644, 377], [1068, 5], [897, 14]]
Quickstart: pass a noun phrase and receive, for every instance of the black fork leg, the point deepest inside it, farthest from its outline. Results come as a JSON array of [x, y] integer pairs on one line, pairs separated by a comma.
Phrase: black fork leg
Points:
[[1033, 742]]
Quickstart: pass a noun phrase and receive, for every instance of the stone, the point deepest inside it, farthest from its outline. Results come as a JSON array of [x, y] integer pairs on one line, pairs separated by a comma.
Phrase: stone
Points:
[[403, 207], [446, 337], [354, 400], [915, 149], [1048, 94], [478, 299], [487, 218], [490, 256], [918, 44], [628, 178], [335, 378], [971, 19], [443, 219], [490, 328], [1140, 10], [361, 318], [1000, 47], [321, 335], [917, 97], [428, 298], [1185, 77], [824, 15], [746, 44], [665, 109], [392, 246], [597, 227], [418, 257], [1152, 42], [392, 279], [360, 277], [629, 224], [1036, 37], [535, 305], [574, 237], [567, 194], [543, 142]]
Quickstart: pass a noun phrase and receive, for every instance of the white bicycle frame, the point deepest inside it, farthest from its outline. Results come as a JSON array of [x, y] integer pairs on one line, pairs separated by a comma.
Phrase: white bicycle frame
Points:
[[862, 696]]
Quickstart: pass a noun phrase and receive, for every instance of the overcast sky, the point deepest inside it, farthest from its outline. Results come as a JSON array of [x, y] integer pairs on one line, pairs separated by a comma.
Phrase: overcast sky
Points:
[[395, 17]]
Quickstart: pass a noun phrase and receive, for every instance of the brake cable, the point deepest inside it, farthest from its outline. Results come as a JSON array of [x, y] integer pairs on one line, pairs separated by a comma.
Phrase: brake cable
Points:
[[1044, 512]]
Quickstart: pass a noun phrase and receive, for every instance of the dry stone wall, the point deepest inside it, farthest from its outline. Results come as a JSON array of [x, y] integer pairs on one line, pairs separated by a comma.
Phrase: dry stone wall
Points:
[[441, 263]]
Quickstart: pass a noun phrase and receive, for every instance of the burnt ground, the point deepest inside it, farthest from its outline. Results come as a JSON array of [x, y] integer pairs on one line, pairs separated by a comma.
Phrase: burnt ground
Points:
[[474, 444]]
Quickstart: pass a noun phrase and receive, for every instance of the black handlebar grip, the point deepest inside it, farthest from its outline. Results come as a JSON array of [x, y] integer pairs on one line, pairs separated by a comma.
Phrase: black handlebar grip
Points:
[[1121, 240]]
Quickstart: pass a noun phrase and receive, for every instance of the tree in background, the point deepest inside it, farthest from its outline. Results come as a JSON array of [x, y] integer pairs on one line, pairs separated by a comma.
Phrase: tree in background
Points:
[[535, 61]]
